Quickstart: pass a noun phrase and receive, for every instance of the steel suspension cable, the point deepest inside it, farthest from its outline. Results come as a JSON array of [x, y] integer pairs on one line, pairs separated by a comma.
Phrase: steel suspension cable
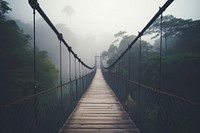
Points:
[[34, 54], [76, 78], [34, 69], [129, 70], [160, 11], [140, 76], [70, 78], [160, 73], [160, 57], [82, 76], [35, 5], [119, 74], [61, 87]]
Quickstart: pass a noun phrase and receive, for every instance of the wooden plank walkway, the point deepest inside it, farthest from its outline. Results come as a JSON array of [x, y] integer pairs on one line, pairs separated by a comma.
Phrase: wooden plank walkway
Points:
[[99, 111]]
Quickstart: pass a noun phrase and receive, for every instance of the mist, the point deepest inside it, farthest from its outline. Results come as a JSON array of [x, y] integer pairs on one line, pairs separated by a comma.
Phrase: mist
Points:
[[86, 46], [89, 26]]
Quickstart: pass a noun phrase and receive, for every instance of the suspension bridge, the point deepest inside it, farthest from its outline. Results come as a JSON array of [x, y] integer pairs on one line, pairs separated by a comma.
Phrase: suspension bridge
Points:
[[102, 100]]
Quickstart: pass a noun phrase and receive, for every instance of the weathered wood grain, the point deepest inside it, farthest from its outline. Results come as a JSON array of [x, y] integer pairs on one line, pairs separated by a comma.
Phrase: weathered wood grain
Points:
[[99, 111]]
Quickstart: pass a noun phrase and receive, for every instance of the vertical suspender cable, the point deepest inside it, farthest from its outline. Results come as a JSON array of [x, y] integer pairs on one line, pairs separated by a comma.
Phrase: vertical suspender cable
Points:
[[61, 93], [76, 78], [70, 67], [140, 76], [75, 67], [83, 77], [79, 79], [70, 79], [122, 66], [34, 54], [79, 74], [122, 75], [140, 58], [118, 88], [61, 65], [160, 59], [34, 73], [160, 74], [129, 69]]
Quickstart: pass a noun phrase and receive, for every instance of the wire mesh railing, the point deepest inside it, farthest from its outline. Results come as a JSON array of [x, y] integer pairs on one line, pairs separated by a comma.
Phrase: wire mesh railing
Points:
[[144, 80], [45, 110], [153, 110]]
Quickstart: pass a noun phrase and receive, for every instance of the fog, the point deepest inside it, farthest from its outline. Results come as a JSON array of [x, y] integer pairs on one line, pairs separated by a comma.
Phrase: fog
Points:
[[88, 26]]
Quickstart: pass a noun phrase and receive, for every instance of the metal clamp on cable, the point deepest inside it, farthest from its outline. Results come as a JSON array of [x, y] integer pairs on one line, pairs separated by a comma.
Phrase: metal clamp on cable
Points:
[[60, 36], [75, 56], [70, 49], [140, 34], [79, 60], [34, 4]]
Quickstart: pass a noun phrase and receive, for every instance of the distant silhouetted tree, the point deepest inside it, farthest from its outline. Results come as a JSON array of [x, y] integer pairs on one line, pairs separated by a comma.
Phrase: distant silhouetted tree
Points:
[[4, 8], [172, 26]]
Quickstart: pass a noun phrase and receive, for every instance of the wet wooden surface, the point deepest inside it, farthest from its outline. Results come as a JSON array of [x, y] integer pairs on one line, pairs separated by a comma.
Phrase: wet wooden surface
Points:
[[99, 111]]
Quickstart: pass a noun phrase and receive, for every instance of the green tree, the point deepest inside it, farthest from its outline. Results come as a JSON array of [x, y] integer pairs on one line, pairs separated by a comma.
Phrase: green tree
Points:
[[3, 9], [189, 40], [104, 54], [172, 27], [16, 56]]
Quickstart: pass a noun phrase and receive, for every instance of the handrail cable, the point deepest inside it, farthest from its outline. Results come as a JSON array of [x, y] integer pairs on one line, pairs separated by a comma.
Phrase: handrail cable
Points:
[[160, 92], [38, 93]]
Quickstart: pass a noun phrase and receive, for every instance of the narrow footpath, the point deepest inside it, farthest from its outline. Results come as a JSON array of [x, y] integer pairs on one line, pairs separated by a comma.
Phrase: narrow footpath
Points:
[[99, 111]]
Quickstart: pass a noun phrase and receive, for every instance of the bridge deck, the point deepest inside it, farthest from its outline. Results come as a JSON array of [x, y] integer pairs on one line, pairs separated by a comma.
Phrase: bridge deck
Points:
[[98, 111]]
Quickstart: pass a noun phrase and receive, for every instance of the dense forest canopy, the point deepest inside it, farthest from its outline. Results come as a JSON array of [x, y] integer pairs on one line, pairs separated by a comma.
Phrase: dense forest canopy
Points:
[[16, 55], [180, 57]]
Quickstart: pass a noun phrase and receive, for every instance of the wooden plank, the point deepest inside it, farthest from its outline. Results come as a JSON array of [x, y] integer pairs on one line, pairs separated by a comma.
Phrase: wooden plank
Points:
[[99, 111], [98, 126], [99, 107], [100, 121], [135, 130], [100, 115], [99, 118]]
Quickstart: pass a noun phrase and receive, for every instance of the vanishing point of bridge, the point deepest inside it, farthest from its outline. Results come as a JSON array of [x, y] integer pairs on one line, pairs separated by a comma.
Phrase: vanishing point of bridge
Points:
[[99, 111], [101, 101]]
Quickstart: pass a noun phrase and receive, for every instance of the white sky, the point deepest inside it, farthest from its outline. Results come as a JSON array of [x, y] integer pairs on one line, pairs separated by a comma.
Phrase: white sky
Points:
[[103, 18], [97, 16]]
